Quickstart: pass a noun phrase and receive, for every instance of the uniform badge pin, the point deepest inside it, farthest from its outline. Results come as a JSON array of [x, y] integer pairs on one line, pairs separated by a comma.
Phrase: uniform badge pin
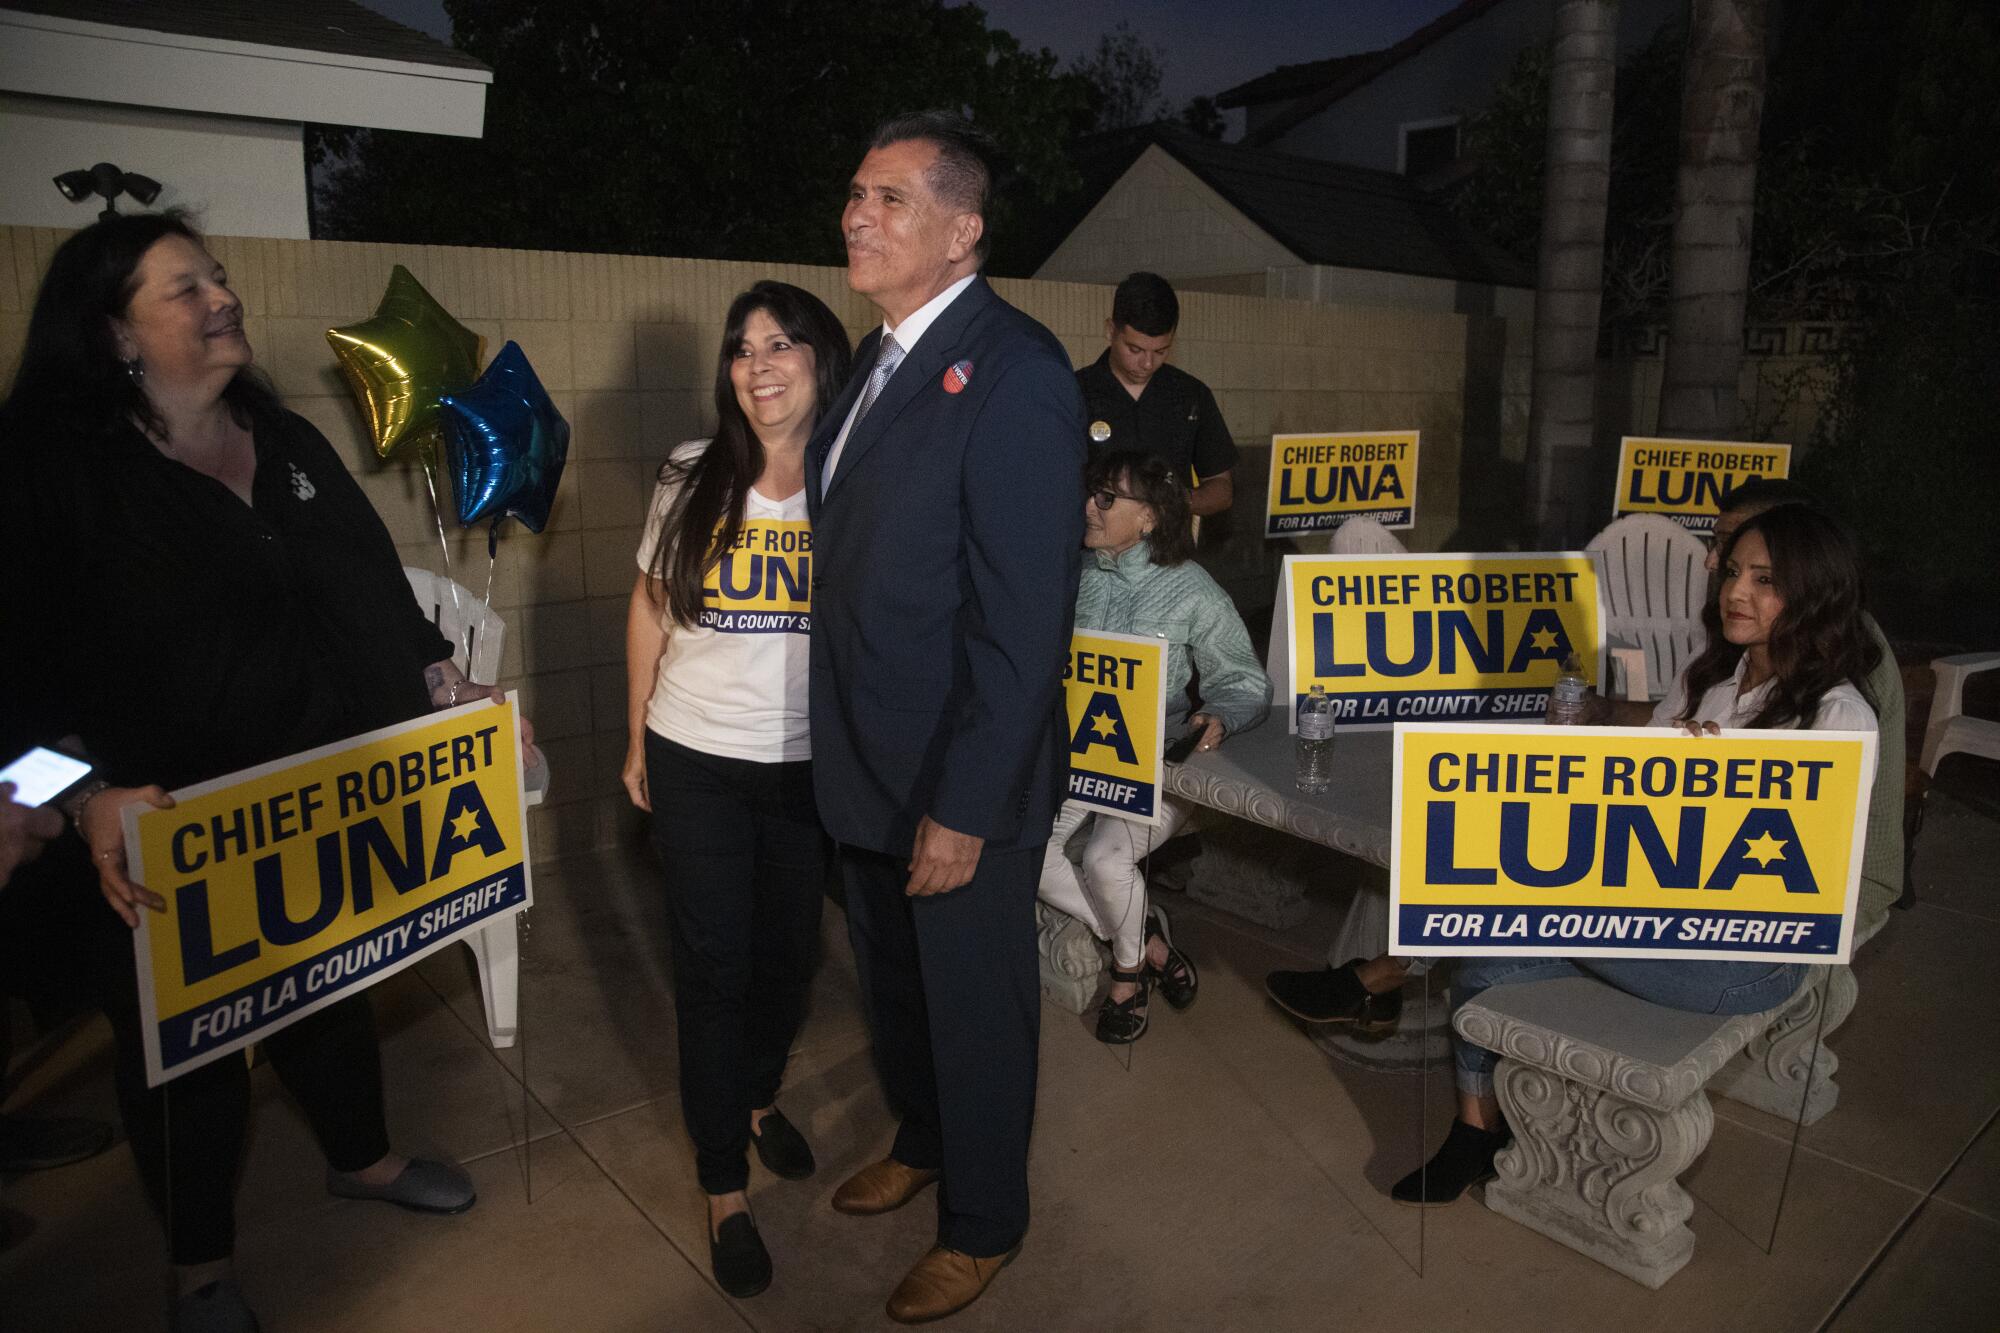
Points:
[[1100, 431], [956, 376]]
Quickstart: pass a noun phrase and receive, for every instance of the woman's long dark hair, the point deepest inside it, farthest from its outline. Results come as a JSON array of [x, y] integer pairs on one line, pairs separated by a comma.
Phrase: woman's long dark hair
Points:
[[1818, 640], [707, 513], [71, 381], [1155, 483]]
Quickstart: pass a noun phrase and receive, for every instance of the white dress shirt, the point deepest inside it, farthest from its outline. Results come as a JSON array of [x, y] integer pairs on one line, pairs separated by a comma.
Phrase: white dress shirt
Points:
[[906, 335]]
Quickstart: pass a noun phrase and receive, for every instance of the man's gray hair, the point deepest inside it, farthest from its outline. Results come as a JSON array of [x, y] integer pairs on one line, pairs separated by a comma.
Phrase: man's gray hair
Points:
[[962, 176]]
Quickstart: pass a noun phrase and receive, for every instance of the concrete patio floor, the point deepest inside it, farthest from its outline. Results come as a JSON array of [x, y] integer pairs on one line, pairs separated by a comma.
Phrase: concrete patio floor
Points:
[[1221, 1174]]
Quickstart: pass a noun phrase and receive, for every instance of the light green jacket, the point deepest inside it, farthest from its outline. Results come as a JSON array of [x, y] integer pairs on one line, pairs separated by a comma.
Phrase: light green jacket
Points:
[[1129, 594]]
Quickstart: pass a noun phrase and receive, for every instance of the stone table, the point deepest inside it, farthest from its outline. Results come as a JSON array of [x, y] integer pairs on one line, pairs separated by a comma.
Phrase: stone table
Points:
[[1253, 777]]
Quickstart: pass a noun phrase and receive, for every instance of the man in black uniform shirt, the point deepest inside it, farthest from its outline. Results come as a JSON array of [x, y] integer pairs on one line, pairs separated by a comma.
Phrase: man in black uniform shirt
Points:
[[1137, 401]]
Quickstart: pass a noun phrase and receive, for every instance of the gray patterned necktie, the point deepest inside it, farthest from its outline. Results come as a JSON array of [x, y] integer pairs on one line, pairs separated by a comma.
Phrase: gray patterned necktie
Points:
[[886, 360]]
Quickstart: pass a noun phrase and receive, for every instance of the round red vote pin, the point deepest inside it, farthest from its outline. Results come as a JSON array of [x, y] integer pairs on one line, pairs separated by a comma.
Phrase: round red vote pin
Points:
[[957, 376]]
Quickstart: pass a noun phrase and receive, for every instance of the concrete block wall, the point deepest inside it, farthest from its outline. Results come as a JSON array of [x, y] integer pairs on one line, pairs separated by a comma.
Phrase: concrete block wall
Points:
[[626, 346]]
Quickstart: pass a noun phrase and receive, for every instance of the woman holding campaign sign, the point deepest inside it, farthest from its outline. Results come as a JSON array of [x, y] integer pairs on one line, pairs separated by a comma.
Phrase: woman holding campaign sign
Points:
[[1142, 579], [720, 753], [197, 587], [1786, 648]]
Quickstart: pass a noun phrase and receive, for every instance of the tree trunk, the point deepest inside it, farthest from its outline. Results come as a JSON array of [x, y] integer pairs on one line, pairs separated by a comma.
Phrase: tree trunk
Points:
[[1570, 277], [1722, 104]]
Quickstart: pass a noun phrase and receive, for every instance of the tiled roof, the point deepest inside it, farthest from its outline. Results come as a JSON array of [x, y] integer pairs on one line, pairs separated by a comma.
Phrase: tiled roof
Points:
[[341, 27], [1289, 81], [1352, 72]]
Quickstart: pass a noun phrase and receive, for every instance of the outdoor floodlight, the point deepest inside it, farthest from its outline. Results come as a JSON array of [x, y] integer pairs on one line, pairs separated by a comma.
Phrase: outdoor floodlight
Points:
[[107, 181]]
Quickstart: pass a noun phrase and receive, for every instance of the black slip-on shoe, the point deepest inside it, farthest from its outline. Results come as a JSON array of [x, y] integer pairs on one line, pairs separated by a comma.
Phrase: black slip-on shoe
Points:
[[41, 1143], [1336, 995], [1465, 1159], [737, 1257], [783, 1150]]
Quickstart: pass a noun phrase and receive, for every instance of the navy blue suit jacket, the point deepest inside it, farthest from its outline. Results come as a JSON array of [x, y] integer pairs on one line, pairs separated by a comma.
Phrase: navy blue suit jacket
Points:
[[945, 561]]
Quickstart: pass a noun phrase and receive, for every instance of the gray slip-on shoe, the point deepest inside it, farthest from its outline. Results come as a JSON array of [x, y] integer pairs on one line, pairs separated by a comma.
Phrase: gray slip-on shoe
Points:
[[425, 1186], [216, 1308]]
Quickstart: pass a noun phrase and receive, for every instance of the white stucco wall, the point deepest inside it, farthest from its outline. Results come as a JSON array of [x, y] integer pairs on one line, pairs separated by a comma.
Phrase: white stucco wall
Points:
[[1330, 285], [1160, 216], [240, 177]]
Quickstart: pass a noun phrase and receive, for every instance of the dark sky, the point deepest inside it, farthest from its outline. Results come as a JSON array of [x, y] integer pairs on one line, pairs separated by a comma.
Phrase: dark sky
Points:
[[1208, 45]]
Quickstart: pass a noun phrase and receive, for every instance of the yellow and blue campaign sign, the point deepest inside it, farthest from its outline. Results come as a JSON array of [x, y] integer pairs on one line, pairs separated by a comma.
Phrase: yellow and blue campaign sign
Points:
[[1627, 842], [1115, 685], [1396, 638], [1686, 479], [763, 583], [296, 883], [1318, 482]]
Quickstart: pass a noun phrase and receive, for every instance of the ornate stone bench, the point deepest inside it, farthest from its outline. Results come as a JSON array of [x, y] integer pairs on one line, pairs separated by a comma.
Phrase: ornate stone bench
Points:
[[1607, 1096]]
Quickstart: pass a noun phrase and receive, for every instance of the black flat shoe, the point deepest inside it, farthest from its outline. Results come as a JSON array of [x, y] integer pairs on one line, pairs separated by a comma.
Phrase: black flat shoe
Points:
[[1336, 995], [1465, 1159], [783, 1150], [736, 1255], [1178, 982]]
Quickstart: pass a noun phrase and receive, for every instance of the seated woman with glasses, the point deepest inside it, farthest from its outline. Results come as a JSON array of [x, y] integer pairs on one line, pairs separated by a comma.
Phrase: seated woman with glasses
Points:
[[1141, 579]]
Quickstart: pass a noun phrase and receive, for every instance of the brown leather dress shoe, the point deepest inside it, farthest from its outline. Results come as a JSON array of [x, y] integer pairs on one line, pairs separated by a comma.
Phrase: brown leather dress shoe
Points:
[[944, 1282], [880, 1187]]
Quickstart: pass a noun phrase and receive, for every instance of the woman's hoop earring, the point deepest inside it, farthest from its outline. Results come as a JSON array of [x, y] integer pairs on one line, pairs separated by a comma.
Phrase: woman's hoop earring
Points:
[[135, 370]]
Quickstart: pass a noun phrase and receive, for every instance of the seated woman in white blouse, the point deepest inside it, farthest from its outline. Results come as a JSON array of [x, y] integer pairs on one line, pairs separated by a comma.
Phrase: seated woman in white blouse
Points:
[[1787, 648]]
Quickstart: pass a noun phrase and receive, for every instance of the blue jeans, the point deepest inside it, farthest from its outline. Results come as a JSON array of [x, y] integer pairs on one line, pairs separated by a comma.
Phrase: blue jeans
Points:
[[1696, 986]]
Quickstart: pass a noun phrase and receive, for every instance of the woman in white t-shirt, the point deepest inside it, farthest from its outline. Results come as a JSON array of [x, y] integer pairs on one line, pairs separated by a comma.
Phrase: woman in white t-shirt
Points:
[[1786, 648], [720, 756]]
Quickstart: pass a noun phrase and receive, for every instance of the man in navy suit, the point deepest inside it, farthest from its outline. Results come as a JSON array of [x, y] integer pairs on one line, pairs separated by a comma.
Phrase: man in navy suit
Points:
[[946, 487]]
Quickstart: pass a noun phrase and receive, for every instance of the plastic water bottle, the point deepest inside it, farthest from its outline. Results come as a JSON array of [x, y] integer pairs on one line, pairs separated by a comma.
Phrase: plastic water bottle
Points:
[[1315, 741], [1566, 698]]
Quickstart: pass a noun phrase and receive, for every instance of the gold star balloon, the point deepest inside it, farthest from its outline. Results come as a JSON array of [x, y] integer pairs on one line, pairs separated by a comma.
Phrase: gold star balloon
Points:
[[402, 361]]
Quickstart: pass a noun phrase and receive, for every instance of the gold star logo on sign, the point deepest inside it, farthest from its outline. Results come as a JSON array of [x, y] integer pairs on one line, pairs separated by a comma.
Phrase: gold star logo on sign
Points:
[[465, 825], [1543, 639], [1102, 724], [1765, 849]]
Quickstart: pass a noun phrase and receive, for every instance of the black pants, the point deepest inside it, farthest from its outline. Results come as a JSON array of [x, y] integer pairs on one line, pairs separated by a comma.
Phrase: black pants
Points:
[[954, 1005], [60, 943], [745, 863]]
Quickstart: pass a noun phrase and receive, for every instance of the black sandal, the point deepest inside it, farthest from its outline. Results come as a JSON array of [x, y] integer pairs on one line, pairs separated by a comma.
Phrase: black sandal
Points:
[[1178, 981], [1122, 1022]]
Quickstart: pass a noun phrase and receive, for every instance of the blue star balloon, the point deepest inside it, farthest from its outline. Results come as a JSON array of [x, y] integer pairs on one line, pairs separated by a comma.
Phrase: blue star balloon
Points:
[[505, 444]]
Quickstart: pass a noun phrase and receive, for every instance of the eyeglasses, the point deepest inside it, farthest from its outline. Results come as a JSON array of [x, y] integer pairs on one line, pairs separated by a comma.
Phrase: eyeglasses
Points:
[[1106, 498]]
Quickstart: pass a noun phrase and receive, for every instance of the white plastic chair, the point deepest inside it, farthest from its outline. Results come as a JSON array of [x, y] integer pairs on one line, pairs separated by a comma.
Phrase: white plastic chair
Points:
[[496, 948], [1362, 535], [1950, 730], [1654, 578], [458, 616]]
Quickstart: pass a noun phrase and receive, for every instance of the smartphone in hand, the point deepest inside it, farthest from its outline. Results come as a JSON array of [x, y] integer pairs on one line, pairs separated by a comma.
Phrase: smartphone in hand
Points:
[[42, 774]]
